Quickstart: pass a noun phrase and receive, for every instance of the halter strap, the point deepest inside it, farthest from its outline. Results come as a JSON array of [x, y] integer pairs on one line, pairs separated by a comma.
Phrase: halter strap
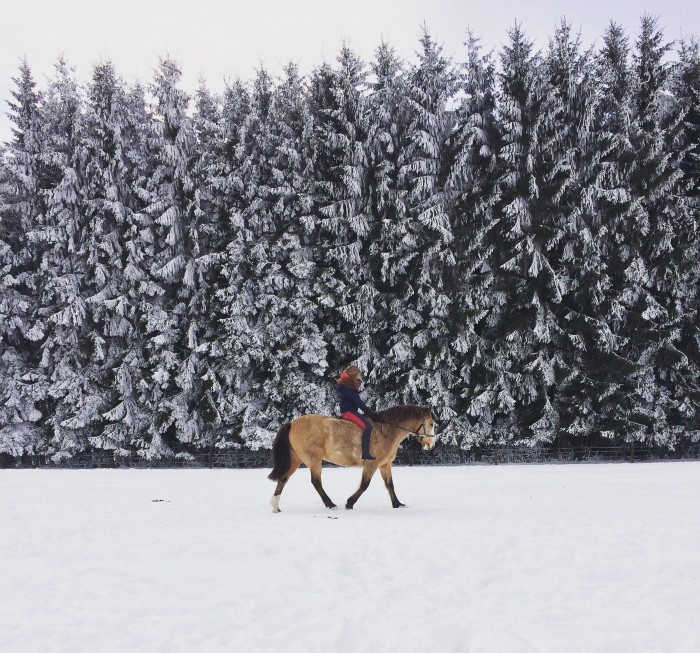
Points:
[[416, 433]]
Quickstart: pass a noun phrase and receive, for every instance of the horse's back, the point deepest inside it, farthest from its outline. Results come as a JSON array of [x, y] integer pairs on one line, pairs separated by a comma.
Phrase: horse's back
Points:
[[314, 420], [320, 437]]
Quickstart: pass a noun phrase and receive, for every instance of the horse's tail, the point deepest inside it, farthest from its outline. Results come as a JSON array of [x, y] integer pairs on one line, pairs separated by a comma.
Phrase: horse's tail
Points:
[[281, 453]]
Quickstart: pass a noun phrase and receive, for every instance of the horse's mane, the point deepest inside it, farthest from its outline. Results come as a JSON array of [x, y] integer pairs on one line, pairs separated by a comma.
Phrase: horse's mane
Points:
[[399, 413]]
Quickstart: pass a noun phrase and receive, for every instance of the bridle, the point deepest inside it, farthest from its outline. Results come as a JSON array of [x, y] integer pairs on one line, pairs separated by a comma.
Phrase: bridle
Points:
[[417, 433]]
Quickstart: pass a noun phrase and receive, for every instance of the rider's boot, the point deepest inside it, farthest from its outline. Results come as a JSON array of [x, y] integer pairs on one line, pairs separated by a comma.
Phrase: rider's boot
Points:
[[366, 455]]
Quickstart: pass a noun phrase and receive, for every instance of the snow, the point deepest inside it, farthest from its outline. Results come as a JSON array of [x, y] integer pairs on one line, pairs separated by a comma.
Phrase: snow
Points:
[[545, 558]]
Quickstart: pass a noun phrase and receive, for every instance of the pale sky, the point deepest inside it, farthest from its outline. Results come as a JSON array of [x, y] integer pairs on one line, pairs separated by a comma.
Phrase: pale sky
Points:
[[220, 39]]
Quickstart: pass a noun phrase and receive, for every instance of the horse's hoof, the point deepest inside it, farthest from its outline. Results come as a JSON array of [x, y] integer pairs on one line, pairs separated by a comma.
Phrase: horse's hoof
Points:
[[400, 505], [348, 506], [332, 506]]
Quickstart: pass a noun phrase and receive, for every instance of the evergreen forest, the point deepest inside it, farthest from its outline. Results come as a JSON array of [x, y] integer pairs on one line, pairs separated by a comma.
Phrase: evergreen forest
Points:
[[511, 236]]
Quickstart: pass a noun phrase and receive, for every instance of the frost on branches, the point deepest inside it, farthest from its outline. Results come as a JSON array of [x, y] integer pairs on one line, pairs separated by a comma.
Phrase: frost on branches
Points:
[[509, 236]]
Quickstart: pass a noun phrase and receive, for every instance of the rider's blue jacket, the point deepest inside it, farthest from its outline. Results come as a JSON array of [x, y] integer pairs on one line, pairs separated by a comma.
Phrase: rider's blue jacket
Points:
[[350, 400]]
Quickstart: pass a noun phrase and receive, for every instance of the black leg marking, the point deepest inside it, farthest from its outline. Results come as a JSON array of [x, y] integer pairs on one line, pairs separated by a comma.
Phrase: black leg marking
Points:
[[367, 474], [316, 482], [389, 483], [280, 486]]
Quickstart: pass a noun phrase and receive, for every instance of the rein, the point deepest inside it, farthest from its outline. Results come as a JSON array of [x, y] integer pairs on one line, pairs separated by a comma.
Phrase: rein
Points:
[[415, 433]]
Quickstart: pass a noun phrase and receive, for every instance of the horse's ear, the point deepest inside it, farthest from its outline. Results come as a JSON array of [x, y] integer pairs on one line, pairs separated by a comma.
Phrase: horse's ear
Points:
[[433, 416]]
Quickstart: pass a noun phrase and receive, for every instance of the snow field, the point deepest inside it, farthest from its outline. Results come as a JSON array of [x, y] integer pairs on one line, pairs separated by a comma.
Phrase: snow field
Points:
[[546, 558]]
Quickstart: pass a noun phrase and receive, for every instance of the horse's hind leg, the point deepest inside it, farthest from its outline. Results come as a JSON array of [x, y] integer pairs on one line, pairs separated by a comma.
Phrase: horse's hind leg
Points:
[[315, 470], [294, 465], [385, 471], [367, 473]]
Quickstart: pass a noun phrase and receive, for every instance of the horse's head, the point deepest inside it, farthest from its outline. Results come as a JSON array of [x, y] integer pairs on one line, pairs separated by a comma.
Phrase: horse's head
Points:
[[412, 421], [425, 433]]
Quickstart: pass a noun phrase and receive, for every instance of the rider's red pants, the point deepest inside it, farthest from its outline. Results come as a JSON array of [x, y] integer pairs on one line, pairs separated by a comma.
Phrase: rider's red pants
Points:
[[354, 418]]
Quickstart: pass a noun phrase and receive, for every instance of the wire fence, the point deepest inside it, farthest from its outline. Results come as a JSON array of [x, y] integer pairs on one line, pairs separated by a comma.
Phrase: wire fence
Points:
[[409, 454]]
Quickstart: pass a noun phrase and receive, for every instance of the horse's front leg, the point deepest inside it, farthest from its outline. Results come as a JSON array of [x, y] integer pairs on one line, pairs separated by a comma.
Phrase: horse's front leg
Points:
[[386, 475], [367, 473]]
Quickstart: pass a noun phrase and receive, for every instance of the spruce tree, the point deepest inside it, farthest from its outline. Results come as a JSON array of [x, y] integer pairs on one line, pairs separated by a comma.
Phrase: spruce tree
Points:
[[225, 177], [474, 195], [574, 180], [276, 306], [568, 160], [686, 88], [525, 362], [344, 218], [429, 371], [246, 330], [662, 281], [23, 385], [615, 124], [108, 255], [386, 144], [213, 235], [298, 383], [61, 312], [129, 416], [632, 173], [173, 318]]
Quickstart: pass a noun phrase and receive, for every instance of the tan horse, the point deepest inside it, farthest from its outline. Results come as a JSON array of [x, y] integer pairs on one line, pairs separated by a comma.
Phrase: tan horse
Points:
[[311, 439]]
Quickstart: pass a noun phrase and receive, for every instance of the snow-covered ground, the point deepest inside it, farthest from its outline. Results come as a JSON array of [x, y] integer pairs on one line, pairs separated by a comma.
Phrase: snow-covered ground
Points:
[[546, 558]]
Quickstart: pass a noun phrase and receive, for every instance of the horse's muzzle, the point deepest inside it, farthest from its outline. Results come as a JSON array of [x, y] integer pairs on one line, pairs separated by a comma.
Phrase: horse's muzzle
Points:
[[428, 442]]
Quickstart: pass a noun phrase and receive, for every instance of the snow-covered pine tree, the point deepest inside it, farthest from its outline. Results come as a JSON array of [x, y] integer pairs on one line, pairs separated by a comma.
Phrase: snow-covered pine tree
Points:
[[613, 407], [56, 242], [686, 88], [174, 316], [297, 384], [23, 385], [17, 433], [387, 141], [275, 326], [11, 362], [635, 173], [524, 361], [658, 275], [570, 229], [224, 177], [586, 348], [214, 233], [108, 258], [129, 416], [343, 210], [420, 329], [247, 332], [473, 195]]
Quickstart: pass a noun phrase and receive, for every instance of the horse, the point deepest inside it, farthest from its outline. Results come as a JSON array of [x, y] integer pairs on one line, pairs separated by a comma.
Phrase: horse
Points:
[[311, 439]]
